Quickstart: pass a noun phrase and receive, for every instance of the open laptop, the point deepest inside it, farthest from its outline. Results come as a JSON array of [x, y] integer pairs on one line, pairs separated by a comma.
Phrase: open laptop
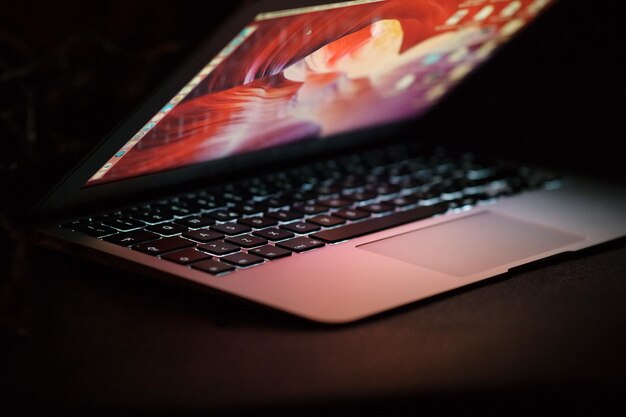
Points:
[[276, 166]]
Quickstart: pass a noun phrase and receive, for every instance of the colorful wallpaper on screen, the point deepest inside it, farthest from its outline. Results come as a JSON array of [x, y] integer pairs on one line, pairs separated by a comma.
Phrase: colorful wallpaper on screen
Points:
[[312, 74]]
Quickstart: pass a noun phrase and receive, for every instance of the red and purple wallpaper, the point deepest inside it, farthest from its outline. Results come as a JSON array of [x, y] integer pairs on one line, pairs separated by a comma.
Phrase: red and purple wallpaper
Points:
[[318, 73]]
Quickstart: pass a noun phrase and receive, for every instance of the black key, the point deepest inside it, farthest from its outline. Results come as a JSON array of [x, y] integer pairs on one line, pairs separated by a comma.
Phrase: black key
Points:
[[203, 235], [351, 214], [303, 195], [354, 181], [275, 202], [335, 203], [167, 244], [195, 222], [186, 256], [219, 248], [412, 182], [76, 223], [167, 229], [327, 189], [247, 209], [181, 210], [202, 203], [260, 191], [285, 215], [233, 196], [231, 228], [129, 211], [362, 196], [385, 189], [381, 223], [300, 227], [213, 267], [258, 222], [403, 201], [326, 220], [271, 252], [106, 216], [95, 230], [274, 234], [246, 241], [132, 238], [242, 259], [153, 216], [461, 202], [222, 215], [301, 244], [309, 208], [123, 223], [377, 208]]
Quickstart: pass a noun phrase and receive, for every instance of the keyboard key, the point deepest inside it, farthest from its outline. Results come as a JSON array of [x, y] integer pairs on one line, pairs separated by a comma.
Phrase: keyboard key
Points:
[[231, 228], [381, 223], [385, 189], [167, 229], [303, 195], [153, 216], [246, 241], [222, 215], [132, 238], [354, 181], [248, 209], [258, 222], [335, 203], [203, 235], [327, 189], [76, 223], [285, 215], [213, 267], [195, 222], [274, 234], [361, 196], [106, 216], [181, 210], [242, 259], [218, 248], [123, 223], [301, 244], [326, 220], [377, 208], [235, 197], [139, 208], [202, 203], [96, 230], [275, 202], [309, 208], [403, 201], [352, 214], [300, 227], [186, 256], [271, 252], [167, 244]]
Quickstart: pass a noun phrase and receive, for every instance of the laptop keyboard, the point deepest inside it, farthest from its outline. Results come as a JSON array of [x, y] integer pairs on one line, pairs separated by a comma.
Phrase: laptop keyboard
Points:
[[250, 222]]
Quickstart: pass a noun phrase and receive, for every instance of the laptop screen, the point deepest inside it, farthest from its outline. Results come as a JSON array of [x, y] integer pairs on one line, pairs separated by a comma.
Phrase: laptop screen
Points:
[[314, 72]]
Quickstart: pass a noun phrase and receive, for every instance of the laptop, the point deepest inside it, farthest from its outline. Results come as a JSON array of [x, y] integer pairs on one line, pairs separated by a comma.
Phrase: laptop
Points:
[[282, 165]]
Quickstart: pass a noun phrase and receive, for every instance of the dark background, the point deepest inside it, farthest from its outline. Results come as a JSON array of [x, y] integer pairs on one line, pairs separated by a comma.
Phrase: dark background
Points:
[[80, 337]]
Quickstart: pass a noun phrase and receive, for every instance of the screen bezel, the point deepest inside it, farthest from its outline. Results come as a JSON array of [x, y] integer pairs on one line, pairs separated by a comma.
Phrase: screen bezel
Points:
[[72, 195]]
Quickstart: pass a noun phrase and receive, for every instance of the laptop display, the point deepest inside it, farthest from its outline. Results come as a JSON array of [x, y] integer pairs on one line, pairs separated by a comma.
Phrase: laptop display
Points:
[[314, 72]]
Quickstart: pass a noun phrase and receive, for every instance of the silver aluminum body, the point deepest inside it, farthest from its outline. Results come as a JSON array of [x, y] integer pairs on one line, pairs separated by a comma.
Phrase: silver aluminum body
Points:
[[346, 282]]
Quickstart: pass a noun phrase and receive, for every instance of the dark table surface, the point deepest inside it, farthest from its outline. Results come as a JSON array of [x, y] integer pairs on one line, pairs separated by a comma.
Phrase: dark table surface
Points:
[[78, 337]]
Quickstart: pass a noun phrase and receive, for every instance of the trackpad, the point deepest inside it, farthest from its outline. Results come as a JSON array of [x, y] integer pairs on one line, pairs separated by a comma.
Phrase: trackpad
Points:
[[472, 244]]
